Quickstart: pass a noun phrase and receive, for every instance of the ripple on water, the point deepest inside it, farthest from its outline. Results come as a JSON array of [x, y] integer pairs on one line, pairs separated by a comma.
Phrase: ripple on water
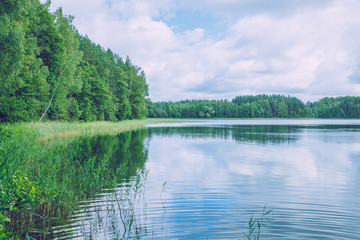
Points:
[[308, 175]]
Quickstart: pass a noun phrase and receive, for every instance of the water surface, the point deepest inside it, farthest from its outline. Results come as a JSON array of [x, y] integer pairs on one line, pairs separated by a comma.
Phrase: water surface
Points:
[[204, 180]]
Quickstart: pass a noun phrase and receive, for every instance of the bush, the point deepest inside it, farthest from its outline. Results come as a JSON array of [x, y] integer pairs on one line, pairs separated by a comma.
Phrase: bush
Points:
[[20, 193]]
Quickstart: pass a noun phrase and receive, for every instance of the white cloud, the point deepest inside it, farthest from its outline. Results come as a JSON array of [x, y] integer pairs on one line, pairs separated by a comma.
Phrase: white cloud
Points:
[[240, 8], [139, 8], [305, 49]]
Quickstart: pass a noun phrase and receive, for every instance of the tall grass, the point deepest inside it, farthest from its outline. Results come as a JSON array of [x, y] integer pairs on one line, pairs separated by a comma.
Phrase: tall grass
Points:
[[45, 131], [41, 161], [255, 225]]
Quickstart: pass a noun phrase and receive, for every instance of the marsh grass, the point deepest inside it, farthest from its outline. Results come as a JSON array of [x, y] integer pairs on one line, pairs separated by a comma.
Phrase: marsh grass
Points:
[[45, 154], [255, 224], [47, 131], [127, 196]]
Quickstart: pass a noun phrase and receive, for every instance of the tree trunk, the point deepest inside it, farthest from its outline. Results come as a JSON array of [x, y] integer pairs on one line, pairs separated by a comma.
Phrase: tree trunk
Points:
[[52, 98]]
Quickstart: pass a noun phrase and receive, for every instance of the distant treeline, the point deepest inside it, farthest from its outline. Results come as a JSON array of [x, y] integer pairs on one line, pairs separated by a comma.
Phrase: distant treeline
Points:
[[49, 71], [259, 106]]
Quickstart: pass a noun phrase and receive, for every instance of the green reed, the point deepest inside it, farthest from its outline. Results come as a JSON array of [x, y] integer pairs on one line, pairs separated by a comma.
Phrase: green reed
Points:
[[41, 159], [255, 225], [129, 196]]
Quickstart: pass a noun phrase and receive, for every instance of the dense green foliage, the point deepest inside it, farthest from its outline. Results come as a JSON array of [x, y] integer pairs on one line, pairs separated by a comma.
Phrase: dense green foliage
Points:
[[259, 106], [340, 107], [49, 71]]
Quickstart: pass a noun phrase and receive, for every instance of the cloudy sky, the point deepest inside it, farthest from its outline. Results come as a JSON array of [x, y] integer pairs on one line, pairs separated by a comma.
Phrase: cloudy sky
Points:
[[216, 49]]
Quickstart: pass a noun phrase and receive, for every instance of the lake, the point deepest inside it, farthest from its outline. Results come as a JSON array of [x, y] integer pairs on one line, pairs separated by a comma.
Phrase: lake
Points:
[[206, 179]]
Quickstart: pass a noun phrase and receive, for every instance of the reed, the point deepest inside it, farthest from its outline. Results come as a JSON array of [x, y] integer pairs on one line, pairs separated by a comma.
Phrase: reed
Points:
[[41, 160], [45, 131], [255, 224]]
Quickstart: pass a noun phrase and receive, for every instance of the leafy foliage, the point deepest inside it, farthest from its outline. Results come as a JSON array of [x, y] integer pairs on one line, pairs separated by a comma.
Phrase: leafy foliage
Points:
[[19, 193], [5, 132], [259, 106], [340, 107], [44, 67]]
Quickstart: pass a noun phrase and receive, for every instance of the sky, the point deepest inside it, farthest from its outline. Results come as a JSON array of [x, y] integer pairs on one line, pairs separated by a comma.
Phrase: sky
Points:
[[219, 49]]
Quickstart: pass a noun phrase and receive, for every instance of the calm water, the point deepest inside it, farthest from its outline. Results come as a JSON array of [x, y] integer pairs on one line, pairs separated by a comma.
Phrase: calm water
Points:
[[204, 180]]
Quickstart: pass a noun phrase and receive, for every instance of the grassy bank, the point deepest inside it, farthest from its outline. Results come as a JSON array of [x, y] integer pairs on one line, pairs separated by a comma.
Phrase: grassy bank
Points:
[[45, 131], [43, 176]]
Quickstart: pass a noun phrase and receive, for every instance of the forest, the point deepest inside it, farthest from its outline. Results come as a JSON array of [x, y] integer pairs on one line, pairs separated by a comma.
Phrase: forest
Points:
[[49, 71], [259, 106]]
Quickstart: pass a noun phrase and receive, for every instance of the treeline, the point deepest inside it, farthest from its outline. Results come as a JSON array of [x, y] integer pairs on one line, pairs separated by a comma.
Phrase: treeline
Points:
[[259, 106], [49, 71], [340, 107]]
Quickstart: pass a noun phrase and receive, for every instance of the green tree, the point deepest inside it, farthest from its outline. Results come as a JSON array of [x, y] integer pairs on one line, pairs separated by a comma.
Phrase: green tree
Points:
[[65, 83], [138, 90]]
